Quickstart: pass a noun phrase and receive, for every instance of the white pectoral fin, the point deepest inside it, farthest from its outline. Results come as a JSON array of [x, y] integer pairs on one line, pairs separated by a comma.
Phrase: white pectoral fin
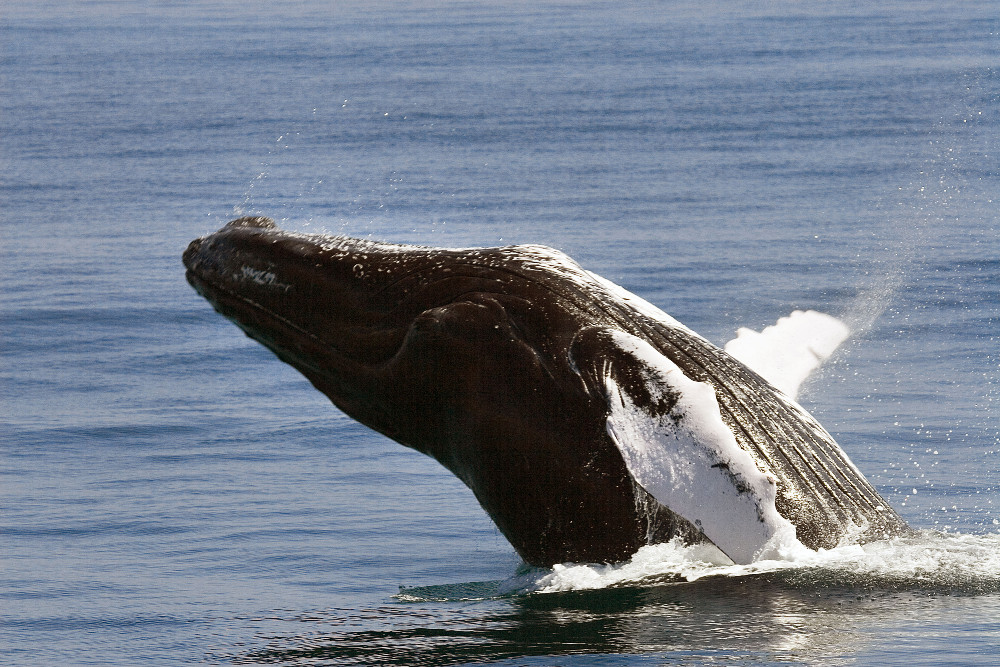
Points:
[[786, 352], [678, 448]]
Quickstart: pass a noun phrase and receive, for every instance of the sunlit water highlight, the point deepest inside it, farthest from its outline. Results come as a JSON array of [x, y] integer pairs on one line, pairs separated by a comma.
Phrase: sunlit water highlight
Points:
[[826, 608]]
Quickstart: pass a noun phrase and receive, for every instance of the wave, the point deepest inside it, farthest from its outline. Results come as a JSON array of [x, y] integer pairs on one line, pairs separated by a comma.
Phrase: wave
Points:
[[926, 560]]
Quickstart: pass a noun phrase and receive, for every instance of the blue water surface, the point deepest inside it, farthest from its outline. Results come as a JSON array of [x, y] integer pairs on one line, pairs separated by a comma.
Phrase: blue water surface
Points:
[[172, 494]]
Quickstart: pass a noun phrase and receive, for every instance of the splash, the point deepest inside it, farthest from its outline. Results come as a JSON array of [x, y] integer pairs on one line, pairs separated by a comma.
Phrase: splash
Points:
[[911, 223], [928, 559]]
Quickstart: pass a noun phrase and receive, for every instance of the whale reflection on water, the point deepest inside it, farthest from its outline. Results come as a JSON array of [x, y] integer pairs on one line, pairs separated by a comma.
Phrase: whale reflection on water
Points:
[[831, 606]]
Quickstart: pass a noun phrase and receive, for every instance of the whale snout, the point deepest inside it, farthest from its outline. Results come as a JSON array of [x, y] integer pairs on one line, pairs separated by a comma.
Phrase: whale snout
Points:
[[219, 256], [191, 253], [202, 261], [194, 257]]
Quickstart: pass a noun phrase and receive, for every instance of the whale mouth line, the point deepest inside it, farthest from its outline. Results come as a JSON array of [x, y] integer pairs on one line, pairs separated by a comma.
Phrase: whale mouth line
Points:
[[215, 289], [236, 307]]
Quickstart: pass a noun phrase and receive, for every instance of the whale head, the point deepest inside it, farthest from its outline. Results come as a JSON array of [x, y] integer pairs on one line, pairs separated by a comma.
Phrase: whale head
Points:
[[369, 322]]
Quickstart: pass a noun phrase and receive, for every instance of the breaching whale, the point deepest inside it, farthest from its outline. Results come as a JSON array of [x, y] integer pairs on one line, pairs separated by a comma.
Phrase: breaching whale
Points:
[[587, 422]]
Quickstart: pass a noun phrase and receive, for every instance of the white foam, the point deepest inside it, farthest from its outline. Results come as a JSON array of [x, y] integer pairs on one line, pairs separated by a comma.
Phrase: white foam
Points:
[[786, 353], [689, 460], [925, 559]]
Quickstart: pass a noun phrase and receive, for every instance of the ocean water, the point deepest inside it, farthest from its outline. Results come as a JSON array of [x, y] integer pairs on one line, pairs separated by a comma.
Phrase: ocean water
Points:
[[172, 494]]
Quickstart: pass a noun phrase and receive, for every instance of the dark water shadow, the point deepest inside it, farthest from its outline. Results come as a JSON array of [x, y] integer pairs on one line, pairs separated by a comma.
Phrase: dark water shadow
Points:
[[774, 618]]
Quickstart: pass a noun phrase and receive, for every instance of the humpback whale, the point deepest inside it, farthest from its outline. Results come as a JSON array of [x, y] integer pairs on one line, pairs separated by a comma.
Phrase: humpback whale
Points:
[[586, 421]]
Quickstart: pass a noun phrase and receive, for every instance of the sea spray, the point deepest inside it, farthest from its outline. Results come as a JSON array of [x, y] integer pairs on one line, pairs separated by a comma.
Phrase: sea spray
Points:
[[949, 562]]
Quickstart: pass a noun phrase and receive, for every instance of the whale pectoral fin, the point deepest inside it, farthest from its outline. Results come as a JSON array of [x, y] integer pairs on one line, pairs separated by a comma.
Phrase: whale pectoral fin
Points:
[[788, 351], [676, 445]]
